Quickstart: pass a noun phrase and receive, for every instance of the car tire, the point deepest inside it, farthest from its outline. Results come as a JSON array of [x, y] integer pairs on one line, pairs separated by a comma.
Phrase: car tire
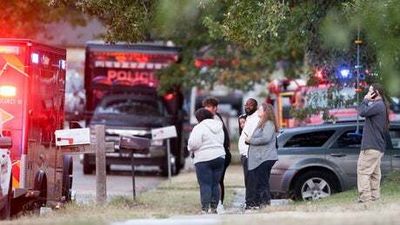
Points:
[[164, 169], [40, 184], [314, 185], [87, 167], [108, 169], [67, 177]]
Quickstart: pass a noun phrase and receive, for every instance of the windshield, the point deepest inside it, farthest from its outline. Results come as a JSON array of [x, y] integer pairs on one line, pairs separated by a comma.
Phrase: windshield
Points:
[[130, 107]]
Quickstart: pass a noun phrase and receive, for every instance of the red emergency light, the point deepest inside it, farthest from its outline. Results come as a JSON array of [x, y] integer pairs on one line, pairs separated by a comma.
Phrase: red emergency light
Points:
[[169, 97]]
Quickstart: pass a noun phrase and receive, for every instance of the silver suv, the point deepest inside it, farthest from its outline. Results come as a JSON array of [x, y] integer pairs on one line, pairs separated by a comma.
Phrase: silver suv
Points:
[[317, 161]]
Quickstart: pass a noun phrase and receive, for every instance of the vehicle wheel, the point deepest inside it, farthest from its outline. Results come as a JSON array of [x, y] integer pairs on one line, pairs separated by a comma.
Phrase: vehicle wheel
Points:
[[164, 169], [87, 167], [108, 169], [40, 185], [67, 177], [183, 153], [314, 185], [5, 212], [176, 152]]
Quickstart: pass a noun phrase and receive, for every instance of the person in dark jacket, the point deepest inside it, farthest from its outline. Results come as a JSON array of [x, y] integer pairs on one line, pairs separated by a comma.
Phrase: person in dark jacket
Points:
[[375, 109], [211, 104]]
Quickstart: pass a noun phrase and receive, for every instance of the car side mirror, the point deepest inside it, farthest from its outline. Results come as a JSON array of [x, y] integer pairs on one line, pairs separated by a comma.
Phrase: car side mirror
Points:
[[74, 125], [5, 142]]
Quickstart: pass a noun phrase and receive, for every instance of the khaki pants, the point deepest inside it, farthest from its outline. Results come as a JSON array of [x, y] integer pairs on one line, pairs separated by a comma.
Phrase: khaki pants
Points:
[[369, 174]]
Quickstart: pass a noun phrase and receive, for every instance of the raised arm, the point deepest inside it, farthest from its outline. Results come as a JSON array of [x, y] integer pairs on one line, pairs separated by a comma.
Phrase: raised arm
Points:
[[365, 109]]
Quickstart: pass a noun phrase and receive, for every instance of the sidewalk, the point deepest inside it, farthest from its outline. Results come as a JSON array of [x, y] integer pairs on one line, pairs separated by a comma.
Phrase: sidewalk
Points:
[[388, 216]]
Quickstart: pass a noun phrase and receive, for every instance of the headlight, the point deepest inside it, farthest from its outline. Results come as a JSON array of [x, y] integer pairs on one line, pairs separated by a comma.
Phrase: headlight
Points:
[[157, 142]]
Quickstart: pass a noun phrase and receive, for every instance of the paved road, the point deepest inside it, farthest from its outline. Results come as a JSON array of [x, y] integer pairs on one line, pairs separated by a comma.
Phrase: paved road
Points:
[[119, 182]]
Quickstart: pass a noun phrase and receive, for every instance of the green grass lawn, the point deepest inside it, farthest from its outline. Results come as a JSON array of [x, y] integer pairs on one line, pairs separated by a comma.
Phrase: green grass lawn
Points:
[[345, 201], [181, 197]]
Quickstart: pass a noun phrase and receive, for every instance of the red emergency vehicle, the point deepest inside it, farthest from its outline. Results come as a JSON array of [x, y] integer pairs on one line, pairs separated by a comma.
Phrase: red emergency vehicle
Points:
[[288, 94], [34, 172], [283, 95]]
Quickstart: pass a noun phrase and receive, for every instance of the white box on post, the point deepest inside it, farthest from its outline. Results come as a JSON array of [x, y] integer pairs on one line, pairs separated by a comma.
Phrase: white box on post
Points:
[[78, 136], [163, 133]]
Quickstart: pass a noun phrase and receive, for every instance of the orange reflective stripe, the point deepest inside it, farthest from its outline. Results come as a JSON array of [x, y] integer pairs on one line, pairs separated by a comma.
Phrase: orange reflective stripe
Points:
[[15, 173], [14, 61]]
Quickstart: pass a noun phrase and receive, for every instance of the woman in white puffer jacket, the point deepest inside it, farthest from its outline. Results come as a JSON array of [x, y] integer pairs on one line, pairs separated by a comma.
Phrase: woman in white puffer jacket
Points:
[[206, 143]]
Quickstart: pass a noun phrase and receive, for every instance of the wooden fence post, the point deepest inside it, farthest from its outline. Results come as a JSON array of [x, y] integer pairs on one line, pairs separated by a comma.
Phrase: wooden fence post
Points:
[[101, 179]]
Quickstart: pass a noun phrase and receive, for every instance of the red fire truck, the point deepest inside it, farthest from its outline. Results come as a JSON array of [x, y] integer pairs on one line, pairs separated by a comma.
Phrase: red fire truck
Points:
[[283, 94], [121, 92], [288, 94], [34, 172]]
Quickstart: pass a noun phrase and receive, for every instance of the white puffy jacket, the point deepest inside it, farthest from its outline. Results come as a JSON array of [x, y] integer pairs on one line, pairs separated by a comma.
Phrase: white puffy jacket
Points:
[[207, 141]]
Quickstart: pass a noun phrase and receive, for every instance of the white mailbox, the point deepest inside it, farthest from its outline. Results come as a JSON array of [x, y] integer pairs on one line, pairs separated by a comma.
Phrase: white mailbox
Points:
[[163, 133], [79, 136]]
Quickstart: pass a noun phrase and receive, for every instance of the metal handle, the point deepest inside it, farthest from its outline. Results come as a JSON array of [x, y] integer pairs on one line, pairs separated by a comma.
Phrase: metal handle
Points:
[[338, 154]]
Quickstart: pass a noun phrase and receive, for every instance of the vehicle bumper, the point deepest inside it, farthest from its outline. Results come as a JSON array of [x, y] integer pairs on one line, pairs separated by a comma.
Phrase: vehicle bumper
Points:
[[280, 182], [156, 157]]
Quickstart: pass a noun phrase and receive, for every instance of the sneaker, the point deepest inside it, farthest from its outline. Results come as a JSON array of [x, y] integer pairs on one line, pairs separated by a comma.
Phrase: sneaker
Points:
[[204, 211], [220, 208], [375, 199], [251, 209], [212, 211]]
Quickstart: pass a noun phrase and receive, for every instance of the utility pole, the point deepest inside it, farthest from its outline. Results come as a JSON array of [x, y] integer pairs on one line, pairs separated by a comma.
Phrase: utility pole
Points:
[[358, 42]]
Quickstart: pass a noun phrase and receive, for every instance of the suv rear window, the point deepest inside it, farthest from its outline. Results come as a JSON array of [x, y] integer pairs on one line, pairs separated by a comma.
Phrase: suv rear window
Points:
[[309, 139]]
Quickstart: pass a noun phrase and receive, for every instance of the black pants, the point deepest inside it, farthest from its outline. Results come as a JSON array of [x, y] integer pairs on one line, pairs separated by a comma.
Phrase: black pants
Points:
[[243, 160], [208, 175], [221, 182], [258, 184]]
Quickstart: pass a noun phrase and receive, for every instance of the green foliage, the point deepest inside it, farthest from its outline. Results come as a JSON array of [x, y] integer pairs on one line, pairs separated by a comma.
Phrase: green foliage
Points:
[[254, 37], [379, 22], [126, 20]]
